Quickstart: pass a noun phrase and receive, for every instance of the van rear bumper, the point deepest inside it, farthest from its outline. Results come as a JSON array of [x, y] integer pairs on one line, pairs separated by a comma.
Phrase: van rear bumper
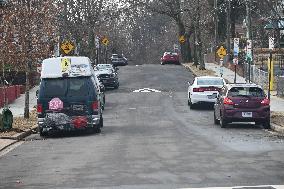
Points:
[[93, 121]]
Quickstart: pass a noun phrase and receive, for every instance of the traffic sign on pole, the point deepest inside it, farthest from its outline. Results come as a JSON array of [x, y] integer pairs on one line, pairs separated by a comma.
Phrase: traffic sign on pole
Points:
[[105, 41], [181, 39], [67, 47], [221, 52], [236, 46]]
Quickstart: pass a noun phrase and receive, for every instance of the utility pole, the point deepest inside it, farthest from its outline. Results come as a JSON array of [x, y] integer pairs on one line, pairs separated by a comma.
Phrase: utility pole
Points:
[[249, 36], [228, 29], [216, 23]]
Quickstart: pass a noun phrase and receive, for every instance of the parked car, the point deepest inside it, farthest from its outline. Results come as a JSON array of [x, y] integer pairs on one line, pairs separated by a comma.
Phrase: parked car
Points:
[[107, 77], [101, 89], [170, 57], [242, 103], [204, 89], [106, 66], [118, 60], [68, 98]]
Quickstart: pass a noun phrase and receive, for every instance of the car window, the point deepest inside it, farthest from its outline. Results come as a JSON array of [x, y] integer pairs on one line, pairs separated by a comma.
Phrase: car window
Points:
[[246, 91], [78, 87], [55, 87], [59, 87], [209, 81]]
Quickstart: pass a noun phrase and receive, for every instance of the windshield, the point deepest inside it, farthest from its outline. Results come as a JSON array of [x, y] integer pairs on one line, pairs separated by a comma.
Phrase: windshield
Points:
[[210, 81], [59, 87], [246, 91]]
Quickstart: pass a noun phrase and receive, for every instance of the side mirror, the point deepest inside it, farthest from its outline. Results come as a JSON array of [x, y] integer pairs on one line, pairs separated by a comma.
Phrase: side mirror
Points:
[[116, 68], [189, 83]]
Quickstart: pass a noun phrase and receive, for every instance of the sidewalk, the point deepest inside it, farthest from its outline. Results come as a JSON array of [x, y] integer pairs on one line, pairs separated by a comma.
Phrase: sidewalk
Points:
[[17, 107], [277, 104]]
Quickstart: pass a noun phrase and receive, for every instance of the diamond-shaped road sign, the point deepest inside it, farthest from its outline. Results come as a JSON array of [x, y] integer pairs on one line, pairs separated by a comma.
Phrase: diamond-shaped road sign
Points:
[[221, 52], [105, 41], [181, 39], [67, 47]]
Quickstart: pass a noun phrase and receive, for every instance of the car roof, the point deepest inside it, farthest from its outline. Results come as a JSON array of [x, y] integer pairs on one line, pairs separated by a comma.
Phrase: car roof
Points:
[[208, 77], [231, 85]]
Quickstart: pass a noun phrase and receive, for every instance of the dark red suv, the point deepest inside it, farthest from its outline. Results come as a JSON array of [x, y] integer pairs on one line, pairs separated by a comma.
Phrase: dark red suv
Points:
[[242, 103]]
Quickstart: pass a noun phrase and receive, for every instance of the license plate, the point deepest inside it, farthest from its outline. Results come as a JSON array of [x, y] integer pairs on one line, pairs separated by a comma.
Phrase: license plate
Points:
[[78, 107], [214, 95], [247, 114]]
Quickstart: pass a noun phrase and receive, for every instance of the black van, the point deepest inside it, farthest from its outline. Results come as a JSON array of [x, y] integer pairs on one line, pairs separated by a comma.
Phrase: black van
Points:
[[69, 103]]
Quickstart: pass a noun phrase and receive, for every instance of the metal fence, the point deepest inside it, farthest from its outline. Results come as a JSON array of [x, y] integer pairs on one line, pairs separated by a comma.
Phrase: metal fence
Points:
[[257, 75]]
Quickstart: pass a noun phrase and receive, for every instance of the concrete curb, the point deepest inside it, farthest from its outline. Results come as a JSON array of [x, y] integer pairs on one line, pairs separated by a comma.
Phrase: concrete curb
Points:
[[277, 128], [189, 69], [8, 144], [17, 137]]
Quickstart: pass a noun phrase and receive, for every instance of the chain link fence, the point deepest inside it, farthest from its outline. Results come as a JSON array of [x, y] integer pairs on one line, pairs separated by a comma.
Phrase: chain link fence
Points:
[[257, 75]]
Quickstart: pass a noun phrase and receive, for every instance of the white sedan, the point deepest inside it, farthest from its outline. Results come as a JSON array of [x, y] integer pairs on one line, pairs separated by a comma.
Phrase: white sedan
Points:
[[204, 89]]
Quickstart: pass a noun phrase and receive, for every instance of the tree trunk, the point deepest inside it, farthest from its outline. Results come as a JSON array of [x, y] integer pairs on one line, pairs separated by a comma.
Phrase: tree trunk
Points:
[[199, 41], [185, 47], [27, 94]]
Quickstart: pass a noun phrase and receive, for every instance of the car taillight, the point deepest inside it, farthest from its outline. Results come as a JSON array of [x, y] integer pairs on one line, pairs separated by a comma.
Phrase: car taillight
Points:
[[39, 108], [95, 105], [265, 102], [228, 101], [198, 89]]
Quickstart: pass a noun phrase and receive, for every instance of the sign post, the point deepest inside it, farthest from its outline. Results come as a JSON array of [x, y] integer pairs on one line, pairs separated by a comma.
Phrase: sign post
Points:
[[249, 57], [221, 52], [236, 54], [270, 67]]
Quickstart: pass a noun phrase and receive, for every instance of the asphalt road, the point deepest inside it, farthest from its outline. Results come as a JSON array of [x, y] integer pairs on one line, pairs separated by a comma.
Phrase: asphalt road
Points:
[[149, 140]]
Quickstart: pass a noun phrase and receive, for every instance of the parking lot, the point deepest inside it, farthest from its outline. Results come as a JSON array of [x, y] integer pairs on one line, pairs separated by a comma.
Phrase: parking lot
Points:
[[150, 139]]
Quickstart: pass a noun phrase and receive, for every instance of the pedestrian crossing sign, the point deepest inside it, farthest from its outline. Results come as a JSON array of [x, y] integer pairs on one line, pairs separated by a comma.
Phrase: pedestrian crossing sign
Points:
[[221, 52]]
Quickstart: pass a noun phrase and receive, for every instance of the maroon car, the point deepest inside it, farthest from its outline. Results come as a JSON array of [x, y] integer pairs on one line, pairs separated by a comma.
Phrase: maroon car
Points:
[[242, 103], [170, 57]]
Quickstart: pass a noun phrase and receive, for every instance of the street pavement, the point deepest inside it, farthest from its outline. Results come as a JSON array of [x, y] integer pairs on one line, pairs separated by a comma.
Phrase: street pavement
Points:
[[149, 140], [276, 104]]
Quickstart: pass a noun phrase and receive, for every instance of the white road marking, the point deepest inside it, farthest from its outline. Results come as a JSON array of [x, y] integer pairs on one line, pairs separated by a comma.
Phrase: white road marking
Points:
[[246, 187], [146, 90]]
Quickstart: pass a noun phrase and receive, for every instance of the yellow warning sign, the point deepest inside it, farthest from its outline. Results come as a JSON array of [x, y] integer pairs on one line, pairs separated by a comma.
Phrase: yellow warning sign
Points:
[[65, 64], [67, 47], [181, 39], [221, 52], [105, 41]]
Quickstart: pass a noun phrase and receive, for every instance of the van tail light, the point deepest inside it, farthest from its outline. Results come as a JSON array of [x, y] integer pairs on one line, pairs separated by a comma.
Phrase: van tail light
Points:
[[265, 102], [95, 105], [39, 108], [228, 101]]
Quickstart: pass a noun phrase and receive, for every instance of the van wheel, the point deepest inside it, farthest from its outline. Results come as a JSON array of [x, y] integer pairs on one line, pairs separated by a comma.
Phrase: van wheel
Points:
[[266, 124], [216, 121], [101, 125], [42, 133]]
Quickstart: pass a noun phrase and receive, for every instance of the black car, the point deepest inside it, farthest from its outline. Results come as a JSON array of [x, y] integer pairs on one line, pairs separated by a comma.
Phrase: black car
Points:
[[118, 60], [108, 78]]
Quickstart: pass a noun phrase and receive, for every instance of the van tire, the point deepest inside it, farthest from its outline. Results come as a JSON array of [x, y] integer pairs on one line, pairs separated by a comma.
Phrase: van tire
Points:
[[101, 125], [41, 133]]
